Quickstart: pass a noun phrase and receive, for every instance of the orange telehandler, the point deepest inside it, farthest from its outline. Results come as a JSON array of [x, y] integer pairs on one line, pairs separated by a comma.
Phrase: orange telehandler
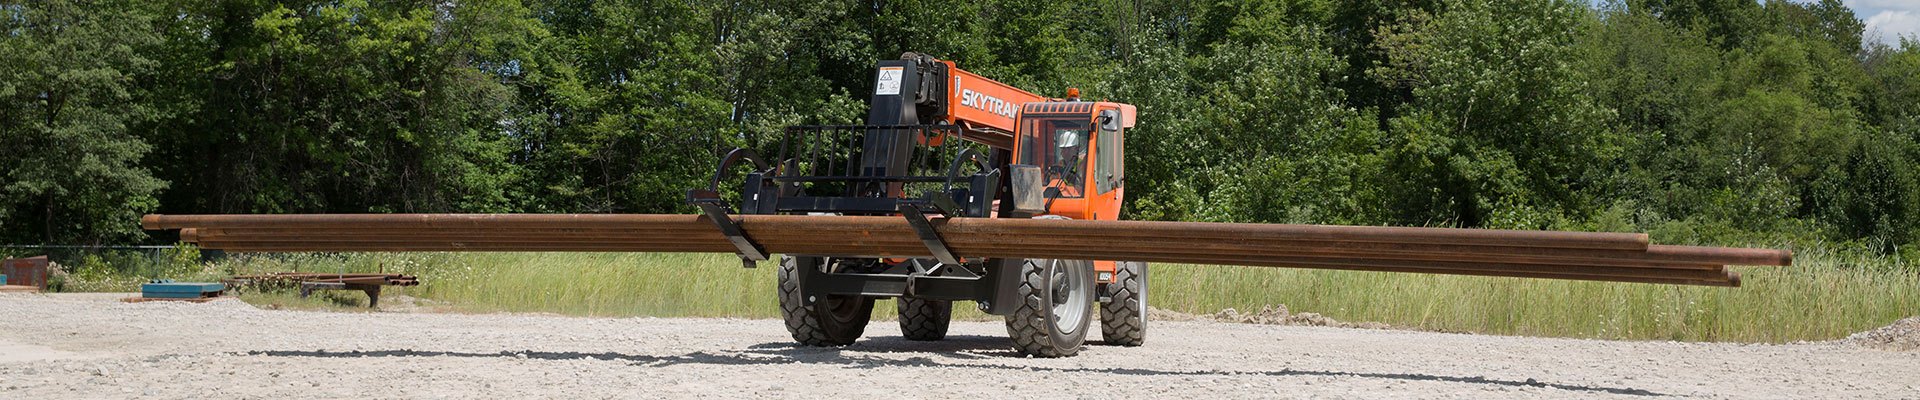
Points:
[[1030, 156]]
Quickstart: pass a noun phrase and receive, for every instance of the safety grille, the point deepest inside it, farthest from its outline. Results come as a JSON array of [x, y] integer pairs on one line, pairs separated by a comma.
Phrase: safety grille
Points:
[[1074, 107]]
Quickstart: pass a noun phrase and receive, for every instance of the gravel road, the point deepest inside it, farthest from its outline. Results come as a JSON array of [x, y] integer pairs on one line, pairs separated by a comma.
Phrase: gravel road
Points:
[[90, 346]]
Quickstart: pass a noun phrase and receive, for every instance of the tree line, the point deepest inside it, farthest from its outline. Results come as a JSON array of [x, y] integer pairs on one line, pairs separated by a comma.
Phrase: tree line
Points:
[[1699, 120]]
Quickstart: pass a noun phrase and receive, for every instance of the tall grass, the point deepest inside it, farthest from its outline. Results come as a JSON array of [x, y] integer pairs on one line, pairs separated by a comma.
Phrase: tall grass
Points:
[[602, 284], [1827, 295], [584, 284]]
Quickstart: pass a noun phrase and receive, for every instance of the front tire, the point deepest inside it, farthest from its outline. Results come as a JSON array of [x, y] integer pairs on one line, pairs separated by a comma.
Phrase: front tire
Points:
[[1056, 307], [836, 320], [1123, 317]]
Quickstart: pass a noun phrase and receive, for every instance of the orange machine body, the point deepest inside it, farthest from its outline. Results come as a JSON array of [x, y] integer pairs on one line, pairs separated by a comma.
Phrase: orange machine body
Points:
[[1082, 157], [1003, 116], [1077, 144], [983, 104]]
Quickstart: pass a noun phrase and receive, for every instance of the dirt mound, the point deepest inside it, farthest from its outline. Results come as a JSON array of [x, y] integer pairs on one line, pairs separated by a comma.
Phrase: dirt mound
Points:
[[1162, 314], [1902, 335], [1279, 315], [1269, 315]]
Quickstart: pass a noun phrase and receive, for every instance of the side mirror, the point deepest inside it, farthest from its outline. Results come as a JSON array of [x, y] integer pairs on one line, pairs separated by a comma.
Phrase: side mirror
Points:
[[1109, 120]]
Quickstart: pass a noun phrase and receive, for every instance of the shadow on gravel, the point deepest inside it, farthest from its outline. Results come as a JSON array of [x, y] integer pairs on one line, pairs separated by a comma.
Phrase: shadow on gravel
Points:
[[964, 347], [973, 347]]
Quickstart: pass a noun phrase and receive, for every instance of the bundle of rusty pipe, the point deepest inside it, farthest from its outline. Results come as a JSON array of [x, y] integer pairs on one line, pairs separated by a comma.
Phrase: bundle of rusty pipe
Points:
[[1623, 257], [357, 278]]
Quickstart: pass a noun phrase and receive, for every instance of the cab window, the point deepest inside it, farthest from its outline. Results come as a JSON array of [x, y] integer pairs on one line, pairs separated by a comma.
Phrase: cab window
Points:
[[1059, 147]]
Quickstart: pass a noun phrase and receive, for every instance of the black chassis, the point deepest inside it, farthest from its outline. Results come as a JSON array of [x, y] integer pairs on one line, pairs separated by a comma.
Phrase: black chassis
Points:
[[815, 161]]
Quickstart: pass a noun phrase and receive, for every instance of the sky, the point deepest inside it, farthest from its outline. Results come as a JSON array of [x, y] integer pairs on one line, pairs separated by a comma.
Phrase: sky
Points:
[[1888, 19]]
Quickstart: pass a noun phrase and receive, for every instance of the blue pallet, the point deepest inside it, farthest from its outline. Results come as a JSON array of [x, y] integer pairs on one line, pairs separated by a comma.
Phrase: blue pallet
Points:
[[180, 289]]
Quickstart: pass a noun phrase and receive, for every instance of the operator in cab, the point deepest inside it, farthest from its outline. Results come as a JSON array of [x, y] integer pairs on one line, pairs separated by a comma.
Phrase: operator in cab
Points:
[[1069, 153]]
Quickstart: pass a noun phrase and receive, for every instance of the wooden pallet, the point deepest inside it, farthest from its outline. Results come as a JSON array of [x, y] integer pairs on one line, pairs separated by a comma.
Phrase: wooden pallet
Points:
[[19, 289]]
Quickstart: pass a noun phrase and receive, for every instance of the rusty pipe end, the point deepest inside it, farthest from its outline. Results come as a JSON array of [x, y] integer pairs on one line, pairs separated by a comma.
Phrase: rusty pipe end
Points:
[[190, 235], [150, 222], [1733, 279], [1786, 258]]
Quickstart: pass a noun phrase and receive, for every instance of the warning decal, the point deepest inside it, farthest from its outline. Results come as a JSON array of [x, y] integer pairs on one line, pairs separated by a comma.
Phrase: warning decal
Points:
[[889, 82]]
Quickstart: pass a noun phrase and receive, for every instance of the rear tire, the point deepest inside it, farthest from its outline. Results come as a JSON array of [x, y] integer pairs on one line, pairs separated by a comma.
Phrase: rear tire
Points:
[[923, 319], [1056, 307], [836, 320], [1123, 317]]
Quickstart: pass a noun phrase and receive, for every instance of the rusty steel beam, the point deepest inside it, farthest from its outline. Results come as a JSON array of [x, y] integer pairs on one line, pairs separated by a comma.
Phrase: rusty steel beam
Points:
[[425, 221], [894, 226], [1556, 255], [1658, 256], [255, 247], [1573, 272], [913, 247], [496, 236], [1654, 253], [994, 245], [1262, 259], [1569, 271]]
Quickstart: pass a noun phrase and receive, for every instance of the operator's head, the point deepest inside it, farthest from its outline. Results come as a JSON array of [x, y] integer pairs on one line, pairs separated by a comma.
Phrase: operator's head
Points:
[[1066, 138]]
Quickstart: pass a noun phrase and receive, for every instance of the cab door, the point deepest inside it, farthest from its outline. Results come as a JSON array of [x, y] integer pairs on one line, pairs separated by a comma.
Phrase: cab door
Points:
[[1106, 177]]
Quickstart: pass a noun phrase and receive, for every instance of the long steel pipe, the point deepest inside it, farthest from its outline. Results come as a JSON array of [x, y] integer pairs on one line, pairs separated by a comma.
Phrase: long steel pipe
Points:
[[782, 241], [915, 248], [1557, 255], [895, 226], [1568, 271]]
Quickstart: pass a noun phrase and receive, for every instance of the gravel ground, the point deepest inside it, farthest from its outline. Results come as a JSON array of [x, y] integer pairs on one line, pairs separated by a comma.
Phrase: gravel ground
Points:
[[90, 346]]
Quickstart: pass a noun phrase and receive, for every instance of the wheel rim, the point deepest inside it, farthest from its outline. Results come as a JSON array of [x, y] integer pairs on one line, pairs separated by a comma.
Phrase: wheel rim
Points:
[[1070, 295]]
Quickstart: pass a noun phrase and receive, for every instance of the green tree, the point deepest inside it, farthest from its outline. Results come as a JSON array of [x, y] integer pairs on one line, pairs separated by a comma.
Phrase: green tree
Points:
[[1727, 22], [71, 171], [1501, 130], [342, 106]]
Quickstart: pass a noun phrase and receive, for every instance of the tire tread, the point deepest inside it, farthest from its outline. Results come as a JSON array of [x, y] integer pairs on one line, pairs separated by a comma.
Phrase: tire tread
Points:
[[1123, 321], [923, 319]]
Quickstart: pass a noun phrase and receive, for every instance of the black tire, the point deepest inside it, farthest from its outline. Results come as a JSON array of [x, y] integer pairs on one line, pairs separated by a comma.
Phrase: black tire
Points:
[[1123, 317], [832, 321], [923, 319], [1055, 310]]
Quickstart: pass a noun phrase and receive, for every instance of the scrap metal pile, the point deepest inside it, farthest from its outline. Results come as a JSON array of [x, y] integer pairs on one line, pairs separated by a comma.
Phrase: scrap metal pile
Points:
[[309, 282], [1620, 257], [349, 279]]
